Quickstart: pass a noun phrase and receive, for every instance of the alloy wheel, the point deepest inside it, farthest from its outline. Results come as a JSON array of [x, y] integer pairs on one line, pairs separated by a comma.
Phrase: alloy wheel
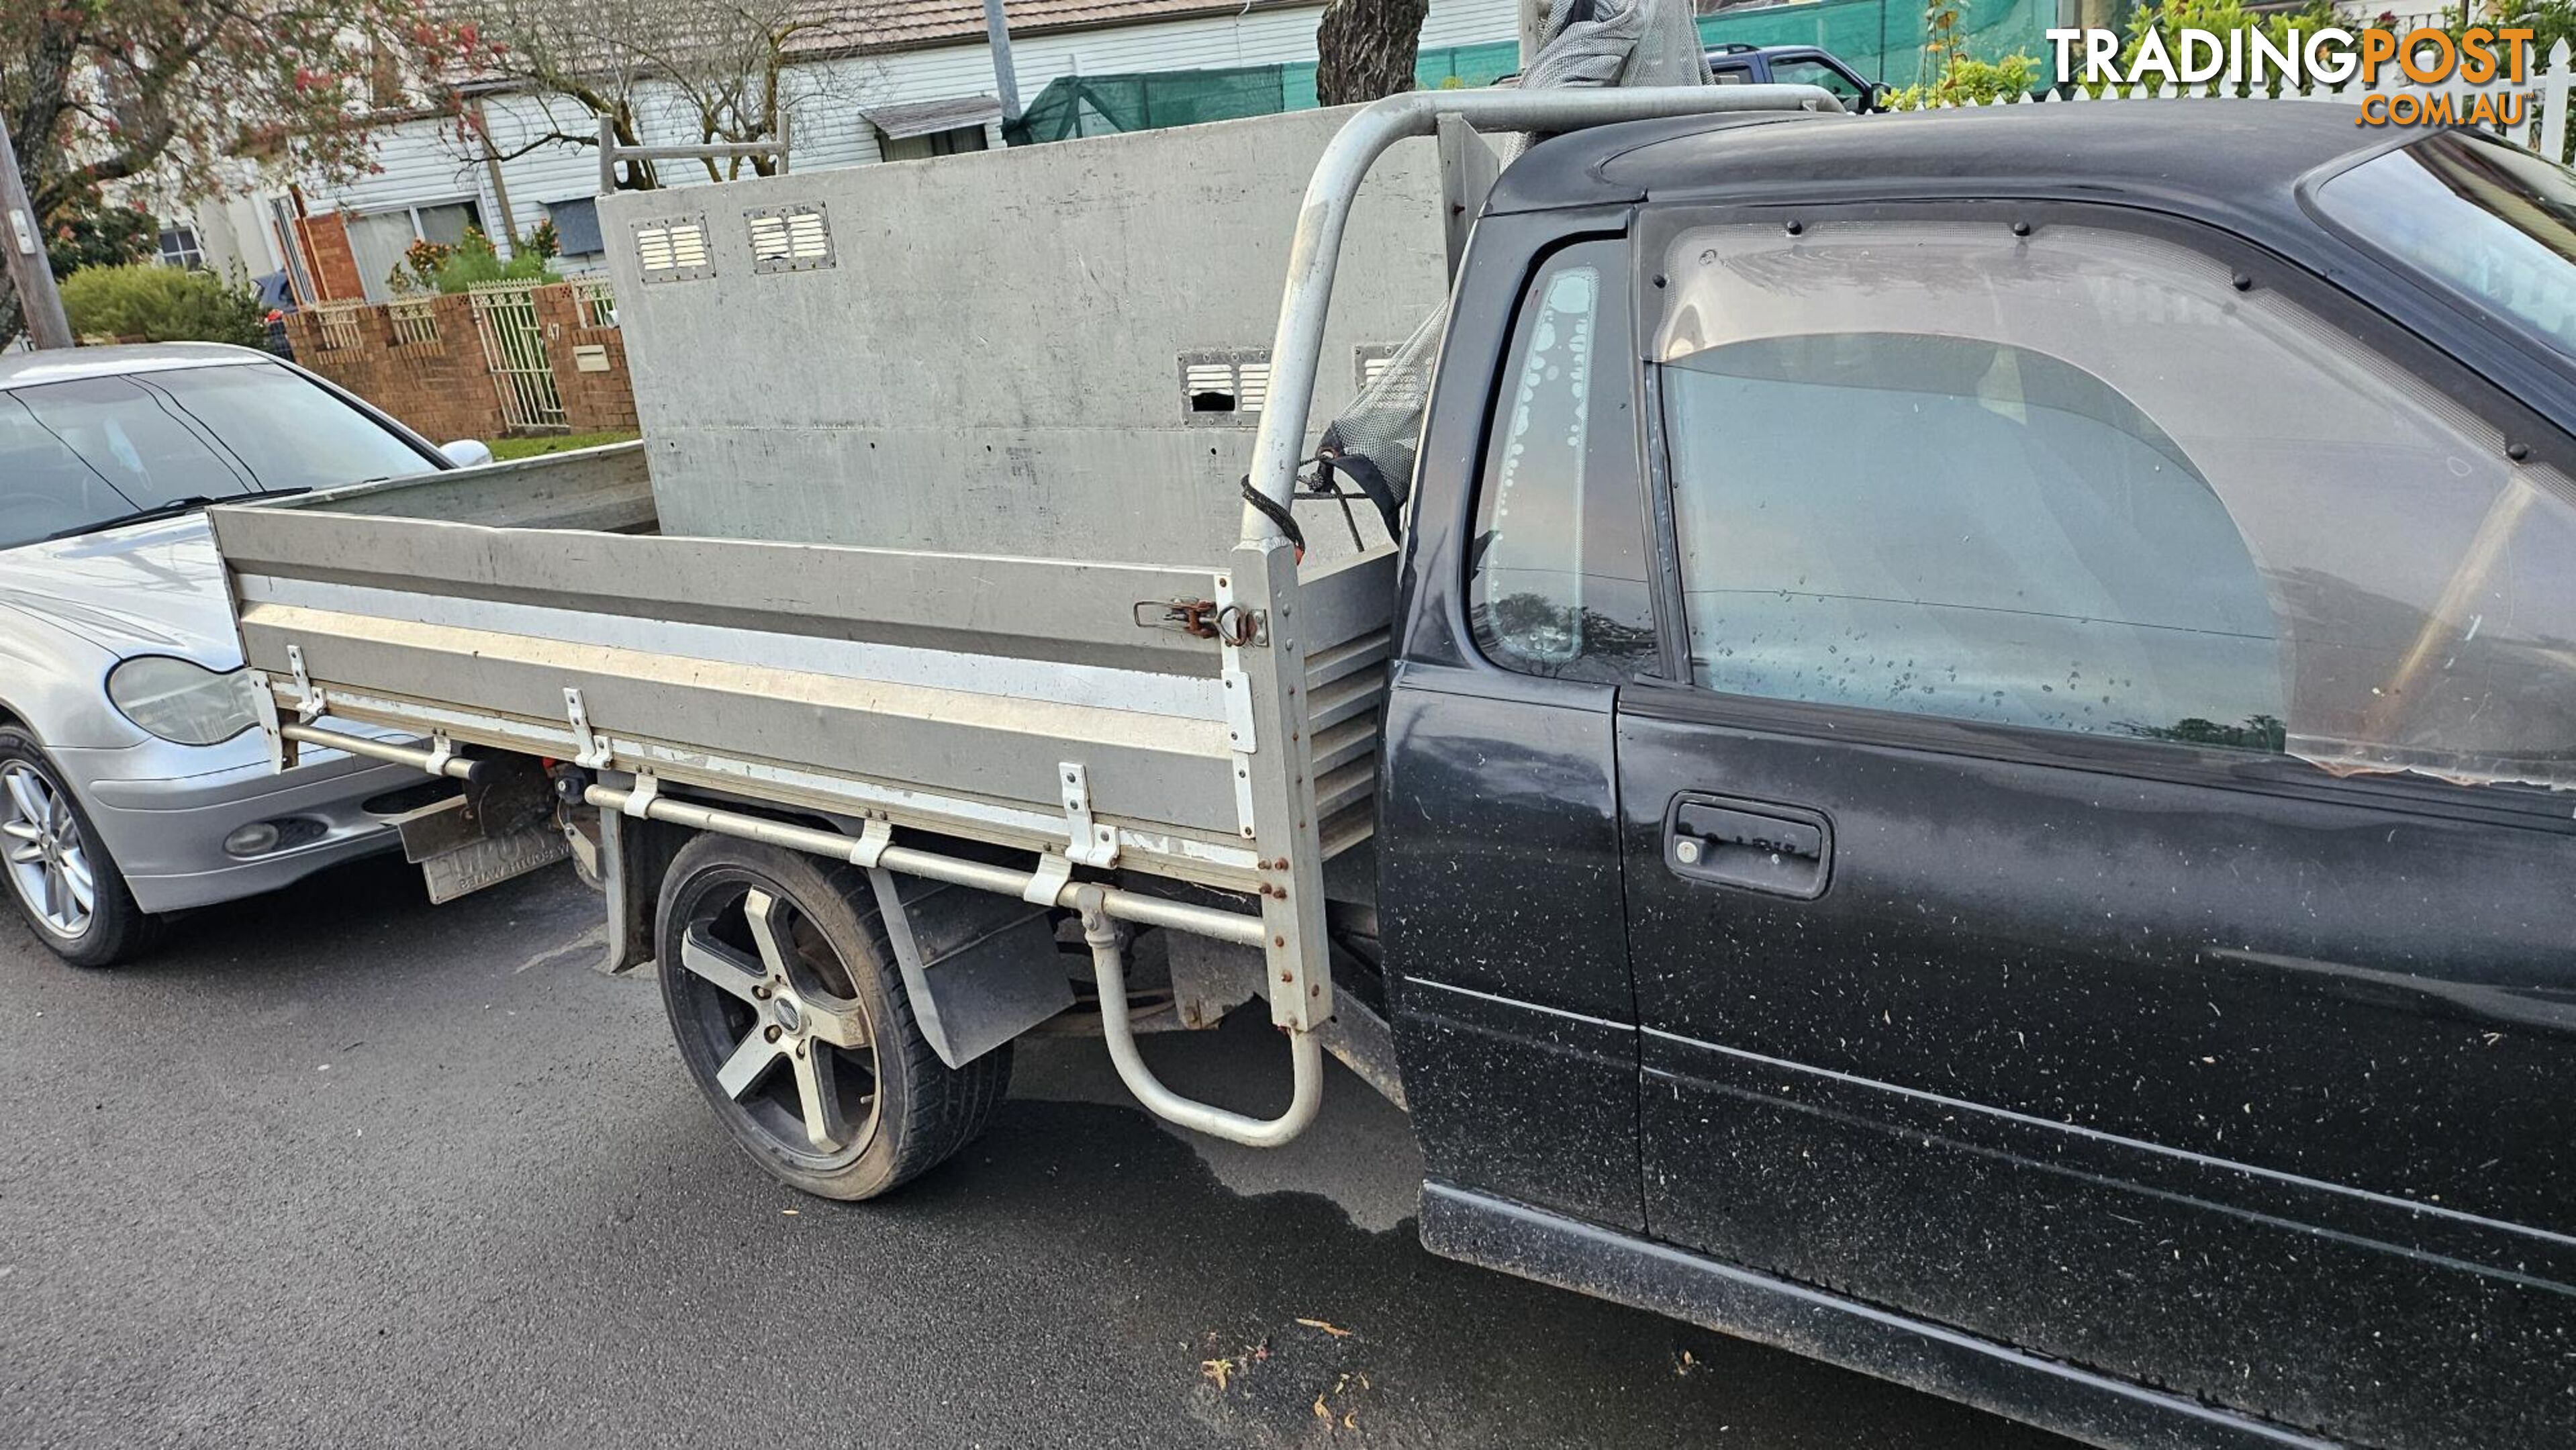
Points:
[[41, 847], [768, 1010]]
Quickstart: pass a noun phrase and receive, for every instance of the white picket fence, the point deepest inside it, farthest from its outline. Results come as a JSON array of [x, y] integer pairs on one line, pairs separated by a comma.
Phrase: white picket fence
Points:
[[2541, 124]]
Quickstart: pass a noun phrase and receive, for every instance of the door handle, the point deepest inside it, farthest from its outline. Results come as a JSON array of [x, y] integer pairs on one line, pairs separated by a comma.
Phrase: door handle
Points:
[[1778, 849]]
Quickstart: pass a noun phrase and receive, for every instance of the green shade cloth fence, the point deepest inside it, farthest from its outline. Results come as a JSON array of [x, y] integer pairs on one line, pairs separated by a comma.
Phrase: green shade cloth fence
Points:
[[1882, 39]]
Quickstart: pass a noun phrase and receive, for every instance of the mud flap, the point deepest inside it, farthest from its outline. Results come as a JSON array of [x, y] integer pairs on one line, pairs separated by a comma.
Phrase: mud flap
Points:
[[495, 825]]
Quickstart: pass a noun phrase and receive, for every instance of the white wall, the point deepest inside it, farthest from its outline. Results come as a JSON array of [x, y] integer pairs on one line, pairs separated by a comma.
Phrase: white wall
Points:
[[234, 232], [427, 161]]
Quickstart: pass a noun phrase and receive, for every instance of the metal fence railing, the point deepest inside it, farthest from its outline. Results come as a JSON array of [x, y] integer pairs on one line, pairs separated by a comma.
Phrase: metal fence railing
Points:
[[514, 347], [597, 303], [339, 323], [413, 319]]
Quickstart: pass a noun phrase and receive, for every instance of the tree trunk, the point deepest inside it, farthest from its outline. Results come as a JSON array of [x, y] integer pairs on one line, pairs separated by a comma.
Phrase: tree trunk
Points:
[[1364, 49]]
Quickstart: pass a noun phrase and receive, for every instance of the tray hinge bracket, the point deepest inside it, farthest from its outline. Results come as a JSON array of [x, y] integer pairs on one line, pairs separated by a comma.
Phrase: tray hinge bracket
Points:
[[282, 752], [309, 702], [592, 747], [1092, 844]]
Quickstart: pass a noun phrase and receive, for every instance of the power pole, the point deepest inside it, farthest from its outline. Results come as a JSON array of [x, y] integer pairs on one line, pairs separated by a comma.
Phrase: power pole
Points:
[[22, 245], [1006, 76], [1533, 29]]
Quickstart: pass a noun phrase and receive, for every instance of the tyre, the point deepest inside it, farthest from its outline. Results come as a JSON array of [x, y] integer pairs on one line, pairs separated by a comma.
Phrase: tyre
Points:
[[790, 1013], [58, 873]]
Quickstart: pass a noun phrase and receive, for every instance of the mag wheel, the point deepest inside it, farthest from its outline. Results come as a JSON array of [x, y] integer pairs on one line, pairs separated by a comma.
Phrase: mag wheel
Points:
[[788, 1010], [71, 892]]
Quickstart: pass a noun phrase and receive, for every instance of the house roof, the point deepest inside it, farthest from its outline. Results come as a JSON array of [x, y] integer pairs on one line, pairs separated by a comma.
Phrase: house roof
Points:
[[908, 24], [862, 27]]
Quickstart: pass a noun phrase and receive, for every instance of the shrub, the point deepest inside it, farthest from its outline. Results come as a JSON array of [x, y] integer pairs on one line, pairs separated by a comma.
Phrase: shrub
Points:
[[164, 304], [476, 260], [1957, 79], [1966, 81], [2222, 17], [437, 267]]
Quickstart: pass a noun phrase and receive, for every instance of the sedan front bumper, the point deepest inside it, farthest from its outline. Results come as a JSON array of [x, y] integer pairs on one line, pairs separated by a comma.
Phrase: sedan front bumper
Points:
[[167, 831]]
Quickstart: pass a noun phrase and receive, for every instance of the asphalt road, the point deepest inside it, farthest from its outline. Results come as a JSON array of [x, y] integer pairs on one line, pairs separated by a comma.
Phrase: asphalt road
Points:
[[340, 1169]]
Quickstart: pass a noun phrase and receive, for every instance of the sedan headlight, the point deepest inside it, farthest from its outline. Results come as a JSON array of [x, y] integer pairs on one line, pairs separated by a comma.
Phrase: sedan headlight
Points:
[[182, 702]]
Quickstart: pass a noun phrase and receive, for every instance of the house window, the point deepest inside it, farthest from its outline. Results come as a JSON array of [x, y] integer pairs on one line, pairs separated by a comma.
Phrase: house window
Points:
[[935, 143], [180, 248], [382, 240], [576, 222]]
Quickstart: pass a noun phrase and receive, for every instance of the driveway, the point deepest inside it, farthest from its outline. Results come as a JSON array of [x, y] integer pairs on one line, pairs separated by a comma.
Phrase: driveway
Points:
[[337, 1168]]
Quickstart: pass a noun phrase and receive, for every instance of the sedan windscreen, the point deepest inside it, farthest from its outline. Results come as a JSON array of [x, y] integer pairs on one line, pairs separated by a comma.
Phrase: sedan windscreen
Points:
[[88, 452], [284, 431]]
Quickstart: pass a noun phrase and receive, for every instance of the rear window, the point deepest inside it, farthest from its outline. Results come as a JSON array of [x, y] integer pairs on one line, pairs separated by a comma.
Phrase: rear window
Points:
[[2482, 217]]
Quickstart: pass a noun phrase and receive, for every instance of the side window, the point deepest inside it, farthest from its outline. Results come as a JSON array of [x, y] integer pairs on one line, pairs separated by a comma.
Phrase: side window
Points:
[[2078, 481], [1558, 578], [1949, 526], [1815, 73]]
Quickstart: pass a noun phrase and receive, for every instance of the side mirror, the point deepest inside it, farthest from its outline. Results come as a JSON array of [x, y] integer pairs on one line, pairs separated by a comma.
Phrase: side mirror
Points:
[[1875, 97], [467, 452]]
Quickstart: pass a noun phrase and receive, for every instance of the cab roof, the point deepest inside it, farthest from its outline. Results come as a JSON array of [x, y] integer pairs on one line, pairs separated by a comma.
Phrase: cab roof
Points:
[[2200, 157]]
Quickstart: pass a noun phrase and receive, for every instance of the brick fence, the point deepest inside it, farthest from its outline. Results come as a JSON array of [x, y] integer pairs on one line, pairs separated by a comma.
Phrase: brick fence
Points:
[[423, 362]]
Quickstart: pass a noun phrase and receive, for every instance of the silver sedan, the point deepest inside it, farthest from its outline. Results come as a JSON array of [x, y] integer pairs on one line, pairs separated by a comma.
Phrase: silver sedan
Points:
[[132, 781]]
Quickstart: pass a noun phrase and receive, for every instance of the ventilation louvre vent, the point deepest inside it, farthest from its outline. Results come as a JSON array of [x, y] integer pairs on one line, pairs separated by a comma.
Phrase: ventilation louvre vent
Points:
[[1225, 388], [789, 238], [673, 249]]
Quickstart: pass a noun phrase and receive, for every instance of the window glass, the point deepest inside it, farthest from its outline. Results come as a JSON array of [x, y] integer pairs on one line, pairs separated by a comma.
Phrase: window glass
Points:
[[2077, 480], [955, 142], [448, 222], [380, 244], [2480, 215], [1812, 72], [80, 454], [45, 488], [1558, 574], [133, 440], [179, 247], [2009, 541], [284, 431]]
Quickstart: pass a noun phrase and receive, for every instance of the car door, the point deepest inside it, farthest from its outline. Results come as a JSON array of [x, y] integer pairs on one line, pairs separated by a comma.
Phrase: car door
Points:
[[2029, 935], [1497, 829]]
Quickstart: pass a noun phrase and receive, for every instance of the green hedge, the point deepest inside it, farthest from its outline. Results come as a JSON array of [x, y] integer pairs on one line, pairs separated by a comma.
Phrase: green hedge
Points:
[[154, 303]]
